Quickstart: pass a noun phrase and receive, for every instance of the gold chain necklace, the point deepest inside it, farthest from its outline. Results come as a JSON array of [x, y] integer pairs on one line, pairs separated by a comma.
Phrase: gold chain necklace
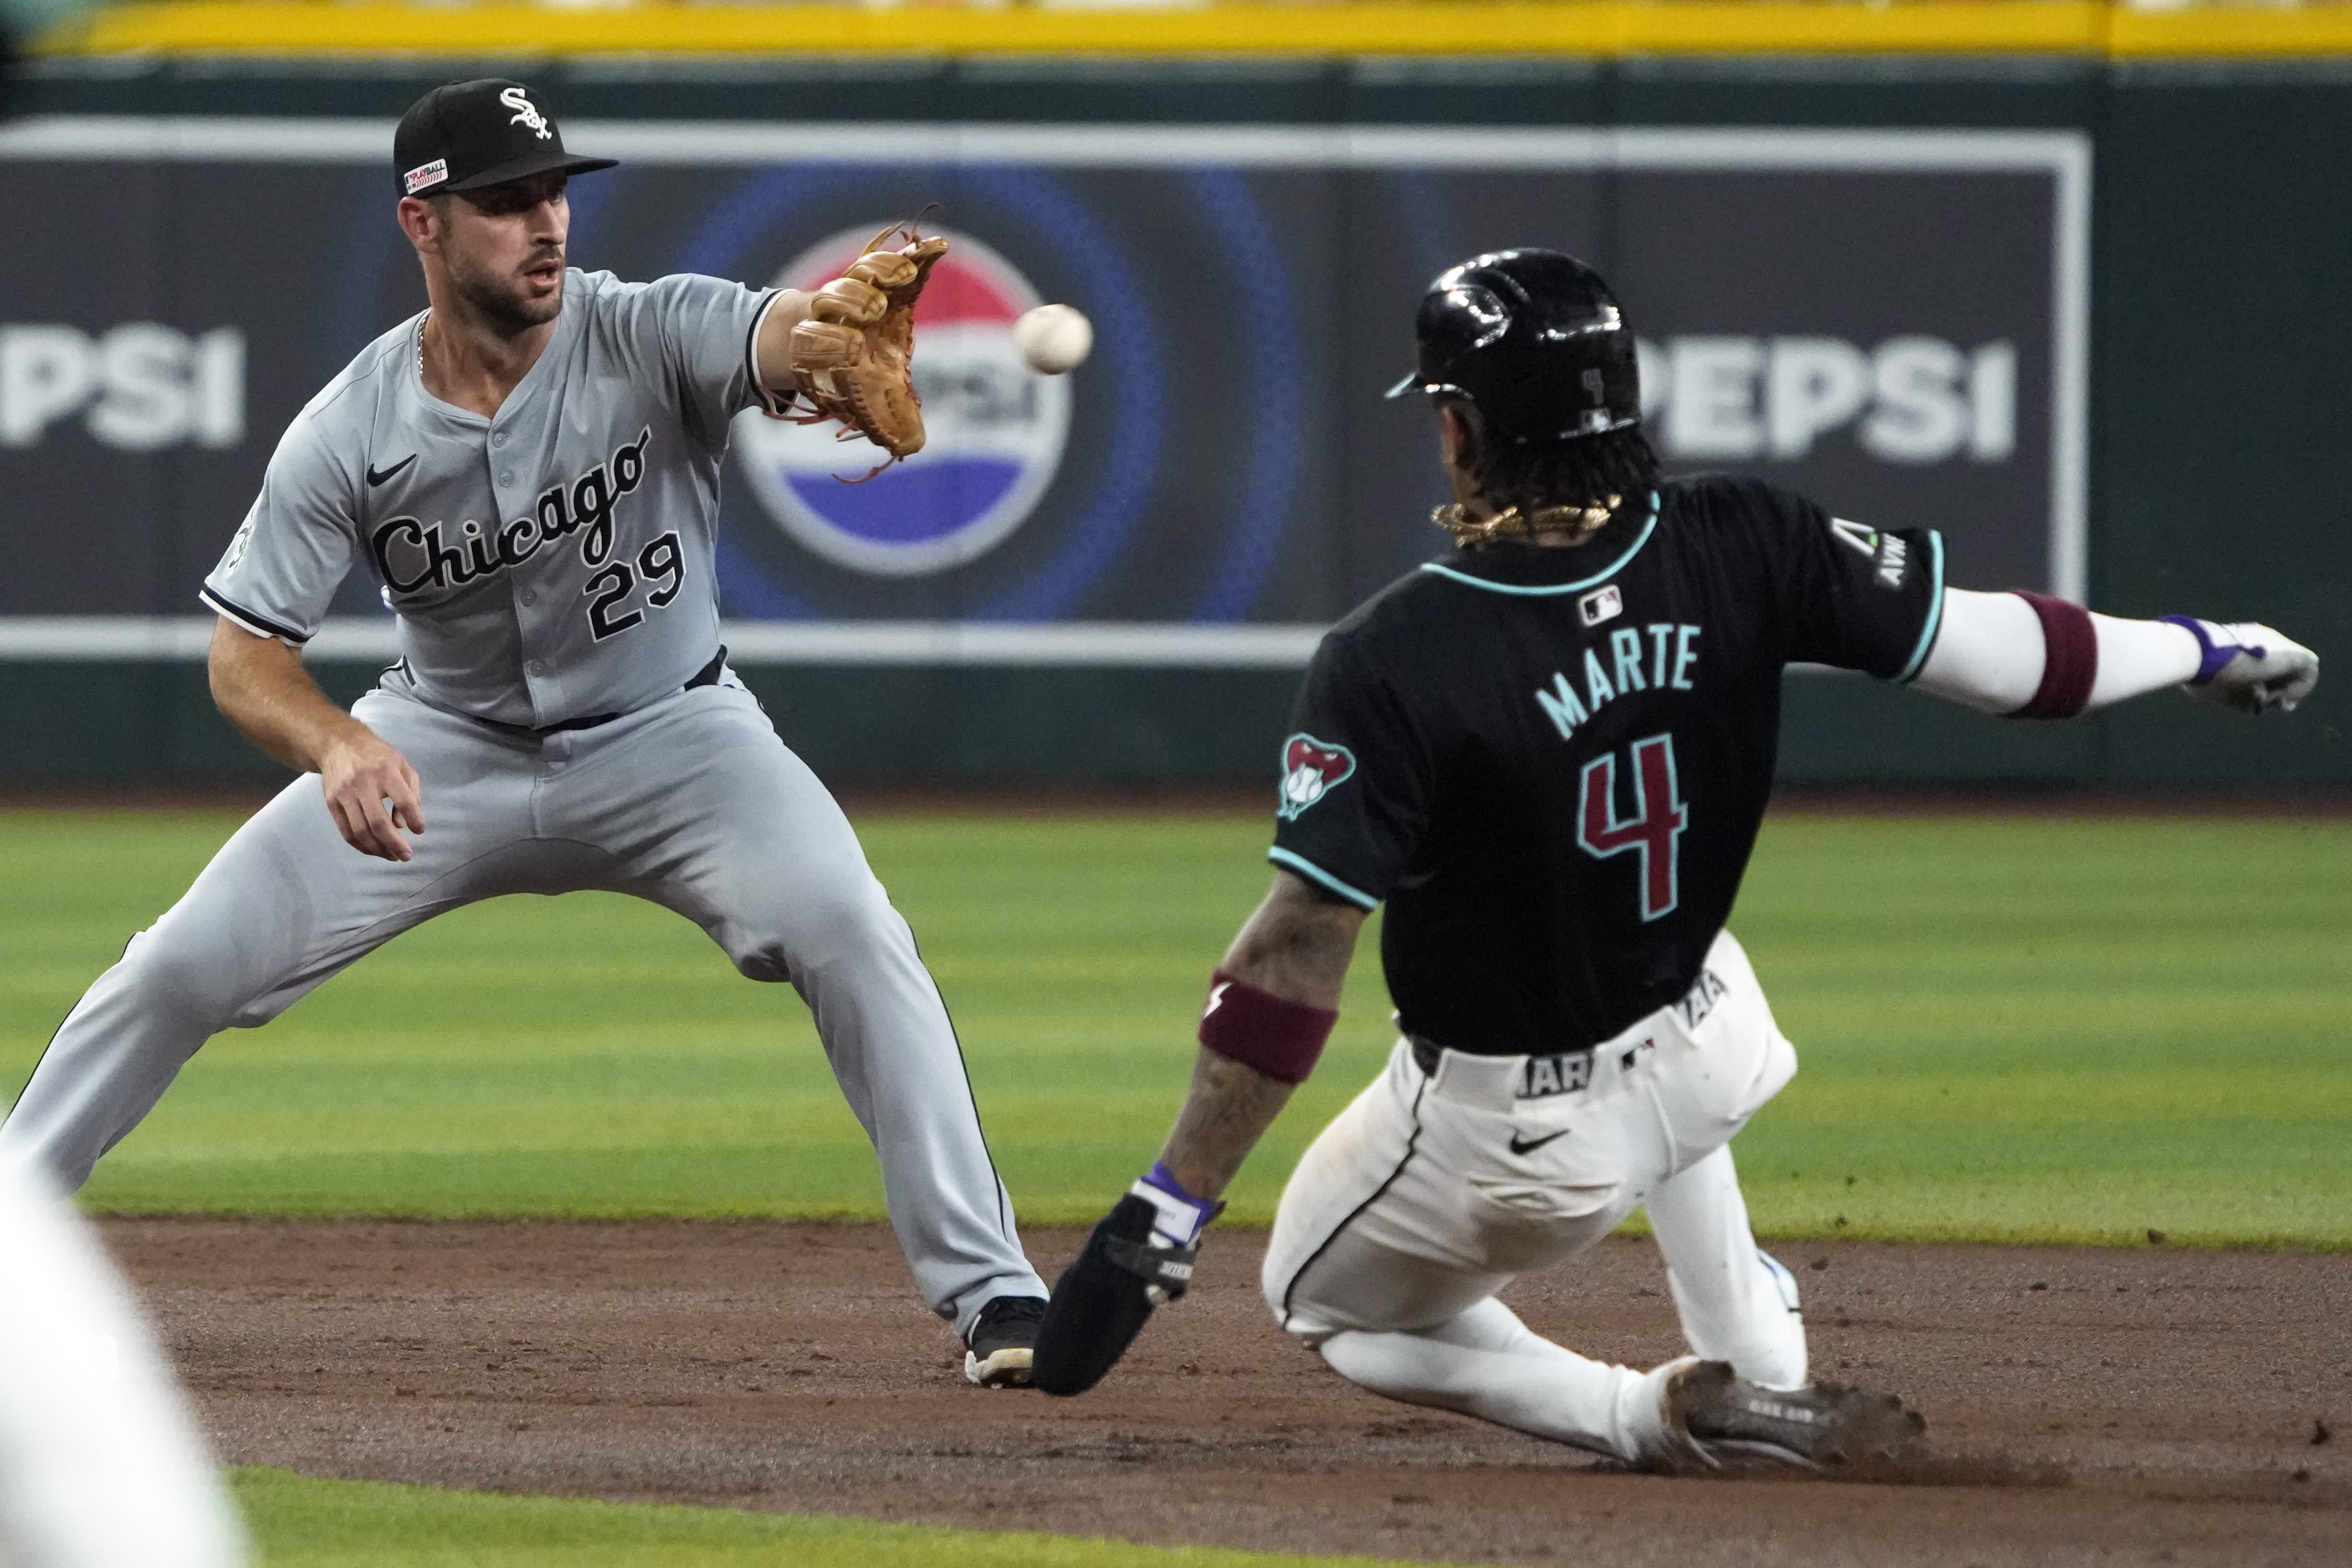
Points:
[[1579, 522]]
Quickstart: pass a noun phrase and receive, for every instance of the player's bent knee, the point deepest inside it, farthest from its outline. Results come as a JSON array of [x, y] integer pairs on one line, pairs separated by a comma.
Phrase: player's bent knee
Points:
[[1303, 1317], [1355, 1355], [1312, 1332], [789, 939], [207, 986]]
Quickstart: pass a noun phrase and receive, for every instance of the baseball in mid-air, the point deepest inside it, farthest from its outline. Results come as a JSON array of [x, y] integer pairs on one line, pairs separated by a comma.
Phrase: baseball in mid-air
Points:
[[1054, 337]]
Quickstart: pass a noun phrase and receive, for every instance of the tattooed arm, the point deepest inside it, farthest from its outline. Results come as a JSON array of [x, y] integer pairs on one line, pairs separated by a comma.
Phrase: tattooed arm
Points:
[[1280, 989], [1298, 946]]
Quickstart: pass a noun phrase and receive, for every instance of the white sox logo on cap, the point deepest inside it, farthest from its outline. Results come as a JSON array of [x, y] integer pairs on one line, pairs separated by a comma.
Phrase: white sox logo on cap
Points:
[[471, 135], [527, 112]]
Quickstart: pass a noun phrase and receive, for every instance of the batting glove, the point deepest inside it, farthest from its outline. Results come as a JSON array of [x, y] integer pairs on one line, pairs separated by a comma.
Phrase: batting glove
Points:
[[1138, 1258], [2249, 667]]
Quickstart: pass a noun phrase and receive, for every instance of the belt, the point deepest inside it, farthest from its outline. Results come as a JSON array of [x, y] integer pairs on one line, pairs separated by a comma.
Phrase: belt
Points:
[[1426, 1052], [1499, 1082], [706, 676]]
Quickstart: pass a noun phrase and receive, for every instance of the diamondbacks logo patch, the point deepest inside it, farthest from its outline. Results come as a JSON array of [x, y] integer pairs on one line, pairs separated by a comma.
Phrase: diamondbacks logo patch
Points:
[[1310, 769]]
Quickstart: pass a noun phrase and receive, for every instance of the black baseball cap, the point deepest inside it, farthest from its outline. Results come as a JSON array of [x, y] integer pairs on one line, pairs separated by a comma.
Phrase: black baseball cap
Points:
[[472, 134]]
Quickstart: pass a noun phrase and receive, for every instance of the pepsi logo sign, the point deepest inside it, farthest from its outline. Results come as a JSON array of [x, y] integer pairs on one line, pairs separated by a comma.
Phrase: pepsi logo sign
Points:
[[995, 429]]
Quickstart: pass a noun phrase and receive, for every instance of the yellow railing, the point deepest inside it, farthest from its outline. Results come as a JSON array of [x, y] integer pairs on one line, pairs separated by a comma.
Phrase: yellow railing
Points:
[[1595, 27]]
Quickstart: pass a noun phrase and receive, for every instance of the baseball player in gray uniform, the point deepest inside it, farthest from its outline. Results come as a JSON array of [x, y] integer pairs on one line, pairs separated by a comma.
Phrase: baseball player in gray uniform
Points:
[[531, 469]]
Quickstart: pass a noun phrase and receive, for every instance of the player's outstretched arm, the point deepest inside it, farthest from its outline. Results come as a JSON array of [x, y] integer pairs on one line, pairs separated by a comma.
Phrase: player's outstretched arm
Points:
[[260, 685], [2032, 656], [1270, 1005], [773, 353], [1296, 949], [845, 351]]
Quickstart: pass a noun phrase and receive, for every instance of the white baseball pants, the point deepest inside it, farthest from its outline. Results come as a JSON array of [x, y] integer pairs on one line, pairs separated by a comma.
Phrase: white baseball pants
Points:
[[693, 803], [1432, 1191]]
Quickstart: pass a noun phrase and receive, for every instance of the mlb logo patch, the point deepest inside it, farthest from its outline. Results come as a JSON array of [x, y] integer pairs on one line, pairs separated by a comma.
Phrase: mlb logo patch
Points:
[[425, 175], [1602, 605]]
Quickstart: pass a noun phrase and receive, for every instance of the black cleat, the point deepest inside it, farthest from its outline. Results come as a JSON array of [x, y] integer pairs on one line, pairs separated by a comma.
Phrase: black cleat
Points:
[[1821, 1426], [1002, 1342]]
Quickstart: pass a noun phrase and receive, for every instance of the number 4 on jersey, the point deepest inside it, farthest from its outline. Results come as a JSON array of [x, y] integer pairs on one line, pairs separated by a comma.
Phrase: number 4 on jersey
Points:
[[1654, 830]]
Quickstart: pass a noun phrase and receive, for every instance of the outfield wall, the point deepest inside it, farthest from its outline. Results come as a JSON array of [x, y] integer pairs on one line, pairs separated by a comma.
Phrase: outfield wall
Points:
[[2126, 272]]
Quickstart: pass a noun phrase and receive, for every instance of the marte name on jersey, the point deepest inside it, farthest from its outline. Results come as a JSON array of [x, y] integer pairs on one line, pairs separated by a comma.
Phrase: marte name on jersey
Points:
[[412, 557], [1663, 665]]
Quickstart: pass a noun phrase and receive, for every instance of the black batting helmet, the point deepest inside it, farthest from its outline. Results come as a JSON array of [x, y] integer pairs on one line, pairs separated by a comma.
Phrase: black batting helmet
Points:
[[1534, 339]]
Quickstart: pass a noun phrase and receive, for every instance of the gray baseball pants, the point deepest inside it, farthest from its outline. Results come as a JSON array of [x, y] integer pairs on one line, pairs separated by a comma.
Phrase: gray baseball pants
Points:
[[692, 803]]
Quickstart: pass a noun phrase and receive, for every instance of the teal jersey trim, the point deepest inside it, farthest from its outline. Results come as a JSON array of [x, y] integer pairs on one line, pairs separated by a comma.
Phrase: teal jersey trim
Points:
[[1545, 590], [1316, 873], [1934, 609]]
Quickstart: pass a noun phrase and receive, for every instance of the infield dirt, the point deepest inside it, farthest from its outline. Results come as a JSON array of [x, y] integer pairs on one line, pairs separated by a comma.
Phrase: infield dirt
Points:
[[2139, 1405]]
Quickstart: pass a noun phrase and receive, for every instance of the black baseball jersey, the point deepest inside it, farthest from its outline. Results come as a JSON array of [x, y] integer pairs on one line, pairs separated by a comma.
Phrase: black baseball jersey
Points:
[[1551, 763]]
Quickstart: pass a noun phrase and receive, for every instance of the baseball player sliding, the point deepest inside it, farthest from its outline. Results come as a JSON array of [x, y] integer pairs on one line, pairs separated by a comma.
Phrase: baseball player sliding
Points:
[[1549, 753], [530, 468]]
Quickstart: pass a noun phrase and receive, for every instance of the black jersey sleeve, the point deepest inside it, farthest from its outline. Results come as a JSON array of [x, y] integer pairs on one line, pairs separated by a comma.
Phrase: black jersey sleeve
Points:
[[1860, 598], [1356, 779]]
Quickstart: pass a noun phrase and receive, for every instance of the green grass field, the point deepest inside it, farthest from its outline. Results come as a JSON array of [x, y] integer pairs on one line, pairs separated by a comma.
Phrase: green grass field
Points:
[[299, 1522], [2052, 1030], [2059, 1030]]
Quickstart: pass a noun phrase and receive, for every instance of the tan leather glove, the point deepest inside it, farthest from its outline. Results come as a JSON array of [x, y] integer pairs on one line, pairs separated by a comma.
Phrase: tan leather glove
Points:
[[851, 358]]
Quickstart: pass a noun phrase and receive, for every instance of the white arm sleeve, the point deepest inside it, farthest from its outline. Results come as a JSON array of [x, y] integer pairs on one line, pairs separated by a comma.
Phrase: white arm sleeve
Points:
[[1988, 655], [1988, 651], [2139, 656], [100, 1465]]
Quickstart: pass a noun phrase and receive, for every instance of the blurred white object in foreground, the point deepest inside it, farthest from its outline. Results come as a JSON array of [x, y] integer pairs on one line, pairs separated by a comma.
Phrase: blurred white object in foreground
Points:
[[101, 1466]]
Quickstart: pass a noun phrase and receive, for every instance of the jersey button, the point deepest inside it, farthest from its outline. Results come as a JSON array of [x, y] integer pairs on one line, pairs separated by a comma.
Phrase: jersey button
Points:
[[529, 597], [500, 439], [506, 477], [538, 666]]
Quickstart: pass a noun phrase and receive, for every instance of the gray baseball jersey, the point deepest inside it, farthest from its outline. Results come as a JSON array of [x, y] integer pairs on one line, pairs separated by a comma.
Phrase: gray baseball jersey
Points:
[[550, 563], [552, 569]]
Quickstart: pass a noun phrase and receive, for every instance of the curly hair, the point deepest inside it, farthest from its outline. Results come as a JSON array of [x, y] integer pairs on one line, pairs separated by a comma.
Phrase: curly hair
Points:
[[1580, 472]]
